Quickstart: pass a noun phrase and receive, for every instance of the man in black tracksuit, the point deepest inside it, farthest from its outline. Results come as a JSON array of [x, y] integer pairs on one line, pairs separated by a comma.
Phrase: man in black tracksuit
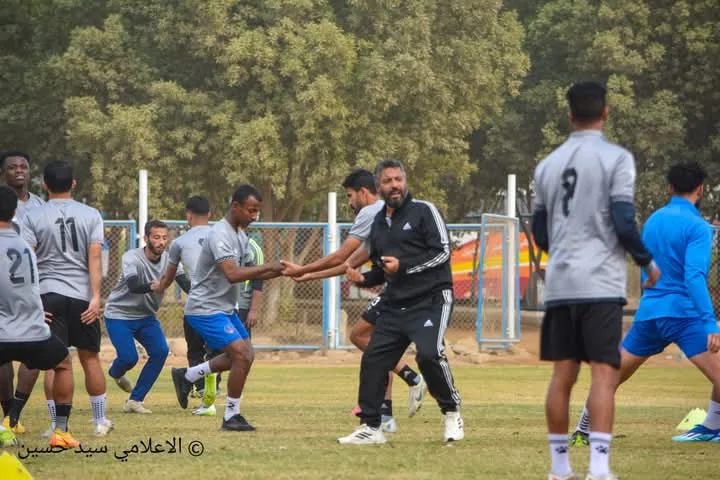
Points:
[[410, 251]]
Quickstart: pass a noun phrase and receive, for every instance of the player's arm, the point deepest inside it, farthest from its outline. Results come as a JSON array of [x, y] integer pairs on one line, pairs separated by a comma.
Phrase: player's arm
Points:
[[358, 258], [437, 244], [336, 258], [171, 270], [94, 259], [622, 212], [540, 234], [697, 261], [226, 260]]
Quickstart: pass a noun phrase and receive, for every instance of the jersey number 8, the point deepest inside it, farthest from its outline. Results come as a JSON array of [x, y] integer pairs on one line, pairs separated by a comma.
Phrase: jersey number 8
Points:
[[569, 177]]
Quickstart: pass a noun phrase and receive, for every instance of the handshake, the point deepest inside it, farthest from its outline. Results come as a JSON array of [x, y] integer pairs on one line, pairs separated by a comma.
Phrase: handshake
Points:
[[318, 271]]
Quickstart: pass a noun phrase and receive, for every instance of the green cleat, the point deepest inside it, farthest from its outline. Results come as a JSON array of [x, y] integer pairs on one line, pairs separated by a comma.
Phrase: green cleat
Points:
[[580, 439], [210, 390], [8, 439]]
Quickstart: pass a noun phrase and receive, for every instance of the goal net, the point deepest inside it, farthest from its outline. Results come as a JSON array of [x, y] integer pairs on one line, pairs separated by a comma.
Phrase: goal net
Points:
[[499, 282]]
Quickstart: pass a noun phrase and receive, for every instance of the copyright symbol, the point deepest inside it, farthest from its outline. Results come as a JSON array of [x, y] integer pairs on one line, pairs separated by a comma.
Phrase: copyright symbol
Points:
[[196, 448]]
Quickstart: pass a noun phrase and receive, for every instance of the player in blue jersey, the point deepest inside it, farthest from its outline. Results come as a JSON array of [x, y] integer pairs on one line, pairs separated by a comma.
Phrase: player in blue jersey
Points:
[[678, 309]]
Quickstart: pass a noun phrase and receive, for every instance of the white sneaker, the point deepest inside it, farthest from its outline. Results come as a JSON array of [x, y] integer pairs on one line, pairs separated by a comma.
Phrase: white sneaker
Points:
[[389, 424], [454, 427], [124, 384], [609, 476], [133, 406], [102, 429], [417, 394], [572, 476], [204, 411], [364, 435]]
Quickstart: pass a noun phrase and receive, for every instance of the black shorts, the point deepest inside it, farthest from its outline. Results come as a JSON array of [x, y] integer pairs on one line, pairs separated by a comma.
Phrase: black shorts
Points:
[[372, 312], [41, 355], [66, 322], [589, 332]]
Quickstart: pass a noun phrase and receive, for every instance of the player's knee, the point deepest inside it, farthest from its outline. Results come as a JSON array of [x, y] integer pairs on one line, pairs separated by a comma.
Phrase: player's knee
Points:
[[159, 350], [129, 359], [426, 358]]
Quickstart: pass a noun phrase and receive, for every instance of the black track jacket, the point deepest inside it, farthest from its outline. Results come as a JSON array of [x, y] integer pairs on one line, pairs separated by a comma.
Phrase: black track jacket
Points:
[[418, 237]]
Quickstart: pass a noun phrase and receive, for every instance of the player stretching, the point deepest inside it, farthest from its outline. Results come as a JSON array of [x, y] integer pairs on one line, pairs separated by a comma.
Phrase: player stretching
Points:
[[210, 307], [15, 167], [68, 237], [585, 217], [184, 253], [364, 201], [130, 315], [678, 309], [24, 334]]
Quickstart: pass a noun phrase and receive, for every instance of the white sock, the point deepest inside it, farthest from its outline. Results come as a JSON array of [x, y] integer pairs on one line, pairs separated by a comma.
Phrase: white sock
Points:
[[712, 419], [193, 374], [232, 407], [584, 422], [51, 409], [600, 453], [97, 403], [559, 454]]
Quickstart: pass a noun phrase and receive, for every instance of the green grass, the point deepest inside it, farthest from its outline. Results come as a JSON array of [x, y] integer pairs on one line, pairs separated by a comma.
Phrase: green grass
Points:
[[300, 410]]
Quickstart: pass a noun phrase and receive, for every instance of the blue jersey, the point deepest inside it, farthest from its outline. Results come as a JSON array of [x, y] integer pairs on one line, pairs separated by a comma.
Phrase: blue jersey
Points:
[[680, 241]]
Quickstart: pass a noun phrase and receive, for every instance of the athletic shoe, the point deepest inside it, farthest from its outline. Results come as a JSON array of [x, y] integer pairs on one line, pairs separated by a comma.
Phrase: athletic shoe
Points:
[[388, 425], [237, 423], [49, 432], [417, 394], [63, 439], [103, 428], [699, 433], [204, 411], [572, 476], [454, 427], [609, 476], [8, 438], [210, 390], [182, 386], [364, 435], [133, 406], [19, 428], [124, 384], [580, 438]]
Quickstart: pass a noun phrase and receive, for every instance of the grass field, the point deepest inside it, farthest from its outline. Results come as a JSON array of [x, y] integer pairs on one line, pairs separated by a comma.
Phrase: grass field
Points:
[[300, 410]]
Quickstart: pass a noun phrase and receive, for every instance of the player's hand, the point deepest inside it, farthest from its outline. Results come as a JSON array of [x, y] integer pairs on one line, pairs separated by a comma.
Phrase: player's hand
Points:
[[391, 264], [91, 314], [290, 269], [714, 342], [155, 286], [653, 275], [252, 318], [305, 277], [48, 317], [353, 275]]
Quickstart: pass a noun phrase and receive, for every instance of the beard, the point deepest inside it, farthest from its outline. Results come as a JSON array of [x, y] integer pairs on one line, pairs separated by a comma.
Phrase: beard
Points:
[[393, 202]]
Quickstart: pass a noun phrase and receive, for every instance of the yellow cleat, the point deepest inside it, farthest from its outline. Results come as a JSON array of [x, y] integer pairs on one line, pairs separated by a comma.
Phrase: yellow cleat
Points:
[[63, 440], [19, 428]]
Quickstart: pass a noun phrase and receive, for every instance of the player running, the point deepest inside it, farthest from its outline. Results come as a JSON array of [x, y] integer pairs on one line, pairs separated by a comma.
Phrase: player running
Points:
[[678, 309]]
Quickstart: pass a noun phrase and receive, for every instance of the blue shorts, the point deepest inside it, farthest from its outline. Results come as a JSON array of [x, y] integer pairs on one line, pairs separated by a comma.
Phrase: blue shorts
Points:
[[218, 330], [650, 337]]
